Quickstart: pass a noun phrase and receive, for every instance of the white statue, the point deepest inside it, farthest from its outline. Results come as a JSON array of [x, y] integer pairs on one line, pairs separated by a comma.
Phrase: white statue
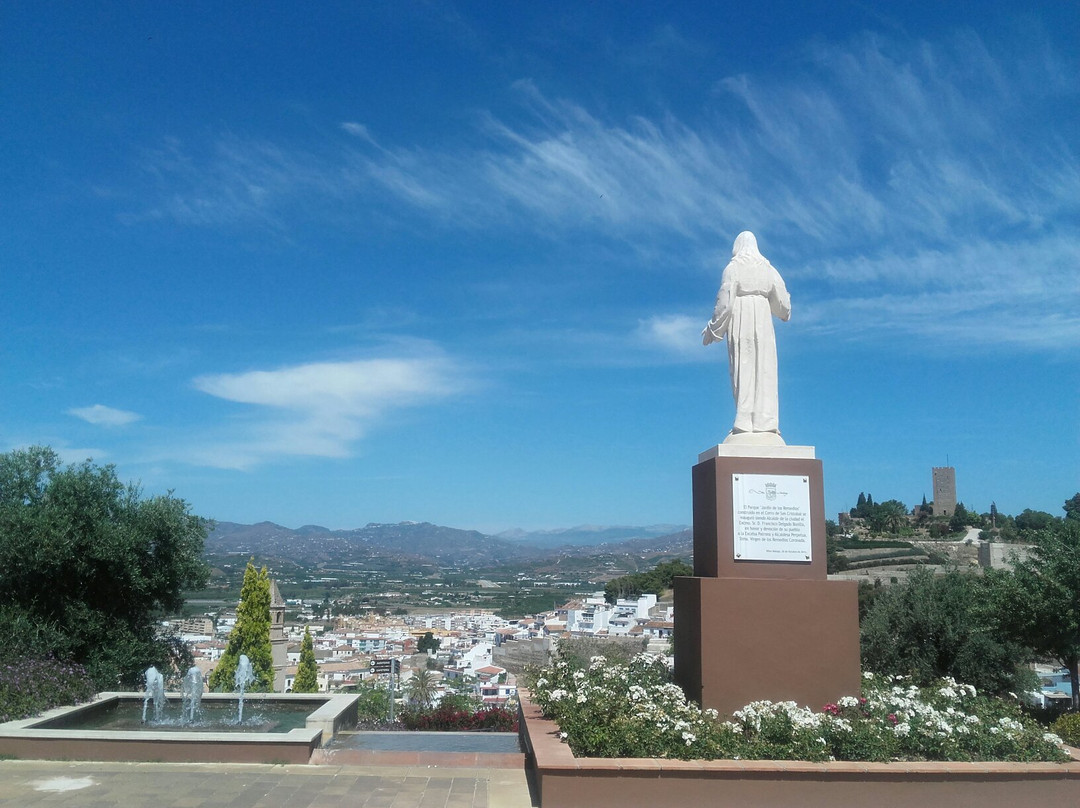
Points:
[[751, 293]]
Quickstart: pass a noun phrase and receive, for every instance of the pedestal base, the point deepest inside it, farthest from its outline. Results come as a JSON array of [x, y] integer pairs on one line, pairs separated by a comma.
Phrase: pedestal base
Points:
[[740, 640]]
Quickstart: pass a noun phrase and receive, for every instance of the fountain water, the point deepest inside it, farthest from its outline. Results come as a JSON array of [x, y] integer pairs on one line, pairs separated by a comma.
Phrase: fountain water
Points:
[[243, 677], [155, 692], [192, 690]]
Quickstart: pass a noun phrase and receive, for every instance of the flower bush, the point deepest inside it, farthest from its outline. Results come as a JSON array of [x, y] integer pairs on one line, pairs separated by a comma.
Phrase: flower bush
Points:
[[609, 709], [450, 718], [606, 709], [32, 686]]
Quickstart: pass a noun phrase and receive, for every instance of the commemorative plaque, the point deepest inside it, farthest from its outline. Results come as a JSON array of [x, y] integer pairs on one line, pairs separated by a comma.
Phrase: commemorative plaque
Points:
[[771, 517]]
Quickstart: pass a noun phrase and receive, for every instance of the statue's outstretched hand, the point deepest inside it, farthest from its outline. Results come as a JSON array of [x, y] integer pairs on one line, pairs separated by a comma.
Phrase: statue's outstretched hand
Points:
[[707, 336]]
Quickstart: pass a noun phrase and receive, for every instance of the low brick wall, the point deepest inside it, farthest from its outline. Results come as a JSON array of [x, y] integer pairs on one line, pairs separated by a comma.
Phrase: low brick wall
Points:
[[565, 781]]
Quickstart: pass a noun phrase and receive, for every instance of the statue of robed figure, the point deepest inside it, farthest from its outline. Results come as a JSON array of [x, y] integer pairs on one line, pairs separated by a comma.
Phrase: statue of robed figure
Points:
[[751, 294]]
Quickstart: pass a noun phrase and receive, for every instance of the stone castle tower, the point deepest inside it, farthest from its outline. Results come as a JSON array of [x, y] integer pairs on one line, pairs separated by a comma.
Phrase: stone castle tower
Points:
[[944, 490]]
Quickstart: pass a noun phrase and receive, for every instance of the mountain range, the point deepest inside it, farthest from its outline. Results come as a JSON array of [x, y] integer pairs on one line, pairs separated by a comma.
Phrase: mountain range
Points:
[[424, 542]]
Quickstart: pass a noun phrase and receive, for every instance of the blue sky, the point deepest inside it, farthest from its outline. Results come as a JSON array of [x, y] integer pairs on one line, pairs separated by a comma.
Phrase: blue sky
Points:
[[347, 262]]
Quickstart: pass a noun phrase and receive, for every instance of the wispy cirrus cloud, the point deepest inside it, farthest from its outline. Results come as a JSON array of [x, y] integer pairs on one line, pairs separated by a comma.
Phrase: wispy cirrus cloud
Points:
[[100, 415], [880, 161], [869, 139], [318, 409]]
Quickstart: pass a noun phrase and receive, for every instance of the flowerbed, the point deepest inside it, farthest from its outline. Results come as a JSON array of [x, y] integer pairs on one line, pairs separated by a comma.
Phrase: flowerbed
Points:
[[32, 686], [449, 718], [607, 709]]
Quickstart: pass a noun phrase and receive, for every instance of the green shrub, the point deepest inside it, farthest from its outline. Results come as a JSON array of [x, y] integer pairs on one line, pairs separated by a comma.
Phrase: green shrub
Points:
[[32, 686], [1067, 727]]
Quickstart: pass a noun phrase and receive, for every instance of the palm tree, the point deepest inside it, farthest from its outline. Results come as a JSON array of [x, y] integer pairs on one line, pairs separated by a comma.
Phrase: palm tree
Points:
[[420, 688]]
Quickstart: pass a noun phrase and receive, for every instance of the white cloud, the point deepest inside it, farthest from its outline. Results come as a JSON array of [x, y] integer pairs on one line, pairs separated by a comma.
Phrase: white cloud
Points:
[[101, 415], [319, 409], [356, 129], [676, 333]]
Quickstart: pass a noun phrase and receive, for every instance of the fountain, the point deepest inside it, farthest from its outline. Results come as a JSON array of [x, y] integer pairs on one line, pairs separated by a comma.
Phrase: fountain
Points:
[[155, 692], [192, 689], [282, 727], [243, 677]]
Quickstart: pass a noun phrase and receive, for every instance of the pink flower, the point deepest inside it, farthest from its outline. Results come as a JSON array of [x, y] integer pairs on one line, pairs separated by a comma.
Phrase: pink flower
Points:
[[892, 718]]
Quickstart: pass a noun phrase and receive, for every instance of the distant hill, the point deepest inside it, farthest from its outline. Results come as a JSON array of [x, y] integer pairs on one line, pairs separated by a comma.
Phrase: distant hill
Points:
[[586, 535], [405, 540], [424, 542]]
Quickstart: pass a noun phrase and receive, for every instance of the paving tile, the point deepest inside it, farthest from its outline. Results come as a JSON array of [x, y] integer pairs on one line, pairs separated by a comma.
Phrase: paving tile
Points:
[[208, 785]]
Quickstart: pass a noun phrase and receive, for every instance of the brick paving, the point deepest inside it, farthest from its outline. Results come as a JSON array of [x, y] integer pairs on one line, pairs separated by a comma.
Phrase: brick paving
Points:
[[84, 784]]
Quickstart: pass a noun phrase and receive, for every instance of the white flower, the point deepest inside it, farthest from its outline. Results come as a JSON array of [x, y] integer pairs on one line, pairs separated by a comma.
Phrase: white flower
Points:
[[1010, 724], [1050, 737], [689, 737]]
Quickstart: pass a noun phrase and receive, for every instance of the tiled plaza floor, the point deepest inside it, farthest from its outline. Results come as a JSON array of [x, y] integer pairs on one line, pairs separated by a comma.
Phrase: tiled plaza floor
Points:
[[238, 785]]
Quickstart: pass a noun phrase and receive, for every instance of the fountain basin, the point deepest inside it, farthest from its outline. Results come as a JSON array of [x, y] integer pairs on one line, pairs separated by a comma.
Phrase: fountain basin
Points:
[[82, 733]]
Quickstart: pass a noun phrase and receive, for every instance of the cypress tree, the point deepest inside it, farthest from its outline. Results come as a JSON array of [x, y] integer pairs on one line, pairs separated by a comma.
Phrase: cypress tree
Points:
[[250, 635], [307, 674]]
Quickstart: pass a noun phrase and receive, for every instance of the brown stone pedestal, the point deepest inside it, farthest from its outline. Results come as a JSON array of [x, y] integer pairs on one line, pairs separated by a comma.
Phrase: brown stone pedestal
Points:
[[752, 630], [739, 640]]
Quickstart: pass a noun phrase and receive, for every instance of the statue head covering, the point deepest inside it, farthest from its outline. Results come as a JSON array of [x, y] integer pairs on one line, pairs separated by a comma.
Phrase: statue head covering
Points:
[[745, 248]]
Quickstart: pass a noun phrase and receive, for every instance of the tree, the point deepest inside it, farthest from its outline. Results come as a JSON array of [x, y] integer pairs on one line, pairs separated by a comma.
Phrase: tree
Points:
[[1042, 605], [890, 516], [1072, 508], [307, 673], [420, 688], [87, 564], [860, 506], [250, 635], [461, 694], [1031, 520], [834, 561], [655, 581], [428, 643], [960, 518], [373, 703], [931, 627]]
